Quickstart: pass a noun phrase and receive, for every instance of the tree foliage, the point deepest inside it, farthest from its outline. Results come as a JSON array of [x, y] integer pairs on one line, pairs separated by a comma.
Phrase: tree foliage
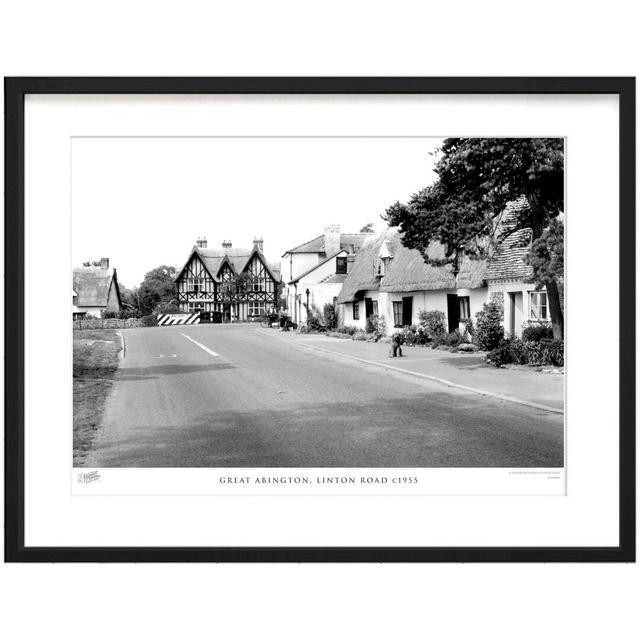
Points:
[[476, 178], [368, 228], [235, 287], [156, 289]]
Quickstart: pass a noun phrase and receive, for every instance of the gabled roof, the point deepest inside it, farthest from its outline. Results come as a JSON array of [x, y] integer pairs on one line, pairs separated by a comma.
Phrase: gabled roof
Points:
[[91, 286], [316, 245], [238, 259], [509, 261], [316, 266]]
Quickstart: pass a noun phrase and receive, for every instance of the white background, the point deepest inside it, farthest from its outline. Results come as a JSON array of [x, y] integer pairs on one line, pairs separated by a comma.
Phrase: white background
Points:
[[586, 516], [333, 38]]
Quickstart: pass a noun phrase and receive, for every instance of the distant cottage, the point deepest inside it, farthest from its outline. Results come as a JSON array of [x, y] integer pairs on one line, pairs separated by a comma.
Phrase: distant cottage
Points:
[[95, 290], [238, 283]]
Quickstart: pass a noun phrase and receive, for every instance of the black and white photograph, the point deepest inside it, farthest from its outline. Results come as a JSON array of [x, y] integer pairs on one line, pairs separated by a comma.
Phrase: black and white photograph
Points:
[[318, 302]]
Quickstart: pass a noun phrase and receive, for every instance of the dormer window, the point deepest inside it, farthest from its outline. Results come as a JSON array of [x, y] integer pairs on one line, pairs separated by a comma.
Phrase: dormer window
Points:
[[378, 267], [341, 264]]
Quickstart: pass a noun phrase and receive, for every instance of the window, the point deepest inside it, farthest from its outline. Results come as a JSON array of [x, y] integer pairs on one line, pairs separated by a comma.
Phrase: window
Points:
[[195, 306], [378, 267], [465, 308], [356, 311], [375, 307], [196, 284], [257, 309], [538, 305], [397, 314], [341, 265]]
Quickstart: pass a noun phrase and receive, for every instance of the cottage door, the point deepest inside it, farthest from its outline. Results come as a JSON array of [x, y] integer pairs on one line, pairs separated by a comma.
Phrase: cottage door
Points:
[[368, 307], [453, 311], [407, 310]]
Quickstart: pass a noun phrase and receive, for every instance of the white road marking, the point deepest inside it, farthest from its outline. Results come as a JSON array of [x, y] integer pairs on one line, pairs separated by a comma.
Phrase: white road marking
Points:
[[162, 356], [212, 353]]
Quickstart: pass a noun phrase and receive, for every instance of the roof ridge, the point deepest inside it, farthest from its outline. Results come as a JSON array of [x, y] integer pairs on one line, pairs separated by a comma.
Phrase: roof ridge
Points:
[[303, 243]]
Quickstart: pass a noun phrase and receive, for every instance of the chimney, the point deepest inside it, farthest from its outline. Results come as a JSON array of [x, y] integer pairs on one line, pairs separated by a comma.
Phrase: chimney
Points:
[[331, 239], [201, 243], [226, 244], [104, 263], [258, 243]]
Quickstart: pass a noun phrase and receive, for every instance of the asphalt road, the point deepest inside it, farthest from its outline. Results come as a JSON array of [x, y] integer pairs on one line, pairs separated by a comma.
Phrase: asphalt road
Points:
[[240, 396]]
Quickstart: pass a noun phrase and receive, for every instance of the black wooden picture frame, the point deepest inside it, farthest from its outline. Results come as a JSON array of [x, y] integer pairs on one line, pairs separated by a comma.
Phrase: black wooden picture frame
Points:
[[15, 91]]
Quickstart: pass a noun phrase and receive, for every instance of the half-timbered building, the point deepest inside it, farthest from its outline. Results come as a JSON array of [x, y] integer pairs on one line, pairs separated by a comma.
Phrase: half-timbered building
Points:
[[237, 283]]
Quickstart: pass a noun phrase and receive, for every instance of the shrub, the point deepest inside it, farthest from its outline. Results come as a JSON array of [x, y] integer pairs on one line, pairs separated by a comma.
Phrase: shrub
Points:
[[167, 308], [546, 352], [329, 316], [537, 332], [453, 339], [315, 322], [413, 335], [423, 335], [489, 332], [433, 322], [377, 325], [349, 330], [516, 351], [149, 321], [360, 335]]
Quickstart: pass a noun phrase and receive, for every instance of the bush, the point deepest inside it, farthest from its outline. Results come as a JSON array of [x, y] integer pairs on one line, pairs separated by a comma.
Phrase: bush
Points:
[[349, 330], [537, 332], [517, 351], [546, 352], [453, 339], [167, 308], [360, 335], [315, 322], [489, 332], [149, 321], [329, 316], [377, 325], [413, 335], [433, 323]]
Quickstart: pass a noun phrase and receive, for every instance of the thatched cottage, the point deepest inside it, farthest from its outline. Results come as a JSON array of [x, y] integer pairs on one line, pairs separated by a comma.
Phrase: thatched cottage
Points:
[[390, 280], [95, 289]]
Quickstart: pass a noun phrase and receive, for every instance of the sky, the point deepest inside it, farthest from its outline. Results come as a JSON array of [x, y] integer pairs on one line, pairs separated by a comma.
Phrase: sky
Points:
[[143, 202]]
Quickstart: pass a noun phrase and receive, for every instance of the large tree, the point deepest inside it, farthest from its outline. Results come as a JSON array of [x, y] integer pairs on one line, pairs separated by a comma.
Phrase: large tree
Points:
[[476, 178], [156, 288]]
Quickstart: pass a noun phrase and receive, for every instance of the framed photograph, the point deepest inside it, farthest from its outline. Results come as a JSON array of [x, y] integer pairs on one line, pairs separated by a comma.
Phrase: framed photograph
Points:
[[320, 319]]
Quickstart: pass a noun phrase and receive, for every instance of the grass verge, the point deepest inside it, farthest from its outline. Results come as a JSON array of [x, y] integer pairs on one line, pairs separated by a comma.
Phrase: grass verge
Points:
[[95, 361]]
